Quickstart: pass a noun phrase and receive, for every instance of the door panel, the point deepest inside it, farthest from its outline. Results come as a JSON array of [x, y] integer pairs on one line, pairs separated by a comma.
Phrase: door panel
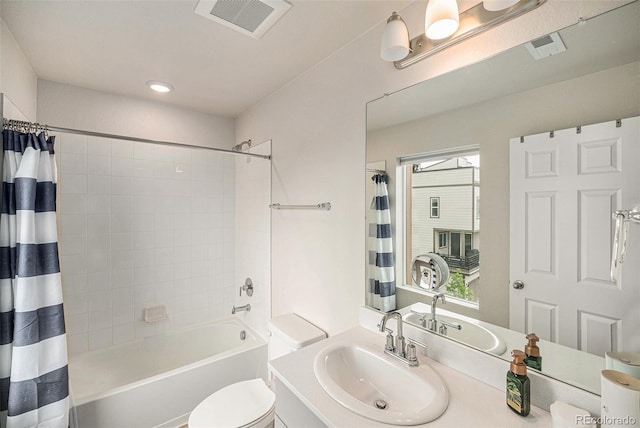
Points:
[[564, 189]]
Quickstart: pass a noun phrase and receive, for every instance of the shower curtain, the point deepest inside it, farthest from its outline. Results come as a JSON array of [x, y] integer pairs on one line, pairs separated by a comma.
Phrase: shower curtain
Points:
[[382, 285], [34, 387]]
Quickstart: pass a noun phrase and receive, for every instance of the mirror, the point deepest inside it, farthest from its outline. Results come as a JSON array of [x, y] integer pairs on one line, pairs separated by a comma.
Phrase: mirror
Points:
[[510, 95], [430, 271]]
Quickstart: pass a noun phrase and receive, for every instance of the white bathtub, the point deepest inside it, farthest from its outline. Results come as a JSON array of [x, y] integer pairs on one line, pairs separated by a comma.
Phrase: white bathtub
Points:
[[157, 381]]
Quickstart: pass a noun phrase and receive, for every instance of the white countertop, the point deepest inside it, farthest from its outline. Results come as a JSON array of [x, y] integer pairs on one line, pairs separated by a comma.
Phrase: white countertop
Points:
[[471, 403]]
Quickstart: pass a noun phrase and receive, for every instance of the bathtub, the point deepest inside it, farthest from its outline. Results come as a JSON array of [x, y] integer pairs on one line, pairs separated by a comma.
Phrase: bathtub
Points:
[[157, 381]]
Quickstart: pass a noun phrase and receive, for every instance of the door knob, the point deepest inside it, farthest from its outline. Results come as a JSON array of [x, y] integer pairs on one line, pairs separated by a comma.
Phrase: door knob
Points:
[[518, 285]]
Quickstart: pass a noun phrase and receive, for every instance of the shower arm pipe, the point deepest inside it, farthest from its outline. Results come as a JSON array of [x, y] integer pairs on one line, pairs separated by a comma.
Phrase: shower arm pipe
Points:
[[143, 140], [322, 206]]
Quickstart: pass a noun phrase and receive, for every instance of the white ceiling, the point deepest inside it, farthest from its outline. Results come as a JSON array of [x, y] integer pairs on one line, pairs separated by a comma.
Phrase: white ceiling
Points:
[[116, 46]]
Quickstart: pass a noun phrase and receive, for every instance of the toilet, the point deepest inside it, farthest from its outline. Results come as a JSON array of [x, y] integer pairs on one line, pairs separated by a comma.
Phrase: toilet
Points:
[[251, 403]]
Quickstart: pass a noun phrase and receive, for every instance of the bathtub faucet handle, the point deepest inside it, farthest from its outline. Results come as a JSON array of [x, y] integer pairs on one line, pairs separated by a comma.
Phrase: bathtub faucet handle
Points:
[[248, 287]]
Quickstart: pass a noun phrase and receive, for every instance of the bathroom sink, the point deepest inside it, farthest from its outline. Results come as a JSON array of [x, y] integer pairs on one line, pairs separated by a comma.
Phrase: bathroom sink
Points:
[[472, 334], [366, 381]]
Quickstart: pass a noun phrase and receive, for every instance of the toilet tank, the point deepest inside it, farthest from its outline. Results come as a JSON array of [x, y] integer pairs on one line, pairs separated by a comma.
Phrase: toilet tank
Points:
[[289, 332]]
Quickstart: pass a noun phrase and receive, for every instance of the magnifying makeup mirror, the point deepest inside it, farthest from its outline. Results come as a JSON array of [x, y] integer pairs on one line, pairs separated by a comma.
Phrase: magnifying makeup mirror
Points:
[[430, 271]]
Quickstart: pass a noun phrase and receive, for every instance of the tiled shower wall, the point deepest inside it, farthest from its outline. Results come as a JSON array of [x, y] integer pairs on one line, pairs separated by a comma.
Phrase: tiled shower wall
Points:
[[142, 224]]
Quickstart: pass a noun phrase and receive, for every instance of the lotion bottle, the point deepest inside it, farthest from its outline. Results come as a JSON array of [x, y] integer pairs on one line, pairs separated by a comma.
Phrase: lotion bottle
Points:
[[532, 352], [518, 388]]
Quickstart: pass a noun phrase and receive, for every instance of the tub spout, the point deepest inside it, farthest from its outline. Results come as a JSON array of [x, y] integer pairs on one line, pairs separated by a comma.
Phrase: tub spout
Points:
[[235, 309]]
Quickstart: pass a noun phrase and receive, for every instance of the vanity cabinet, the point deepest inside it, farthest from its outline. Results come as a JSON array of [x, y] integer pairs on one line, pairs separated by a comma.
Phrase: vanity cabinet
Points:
[[291, 412]]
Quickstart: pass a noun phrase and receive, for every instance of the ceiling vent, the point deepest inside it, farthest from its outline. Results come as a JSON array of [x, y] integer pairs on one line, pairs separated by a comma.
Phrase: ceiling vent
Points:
[[545, 46], [250, 17]]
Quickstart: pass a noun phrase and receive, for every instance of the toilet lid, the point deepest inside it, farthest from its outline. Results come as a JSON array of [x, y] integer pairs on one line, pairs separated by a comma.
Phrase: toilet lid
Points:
[[235, 405]]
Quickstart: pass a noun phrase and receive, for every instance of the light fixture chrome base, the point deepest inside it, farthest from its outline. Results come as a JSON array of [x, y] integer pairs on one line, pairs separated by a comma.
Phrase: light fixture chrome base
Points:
[[473, 21]]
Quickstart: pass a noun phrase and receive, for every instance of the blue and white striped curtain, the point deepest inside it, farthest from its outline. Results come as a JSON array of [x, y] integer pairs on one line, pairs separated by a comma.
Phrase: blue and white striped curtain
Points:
[[34, 382], [382, 282]]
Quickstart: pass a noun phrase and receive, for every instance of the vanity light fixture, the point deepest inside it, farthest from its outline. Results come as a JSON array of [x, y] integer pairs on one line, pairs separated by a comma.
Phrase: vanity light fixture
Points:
[[444, 14], [159, 86], [395, 39]]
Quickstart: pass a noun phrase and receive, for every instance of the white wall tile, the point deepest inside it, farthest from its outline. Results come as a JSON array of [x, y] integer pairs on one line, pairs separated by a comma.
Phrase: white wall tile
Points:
[[121, 149], [143, 276], [98, 224], [121, 260], [100, 319], [72, 244], [98, 204], [77, 343], [99, 281], [122, 167], [97, 146], [143, 240], [122, 278], [100, 338], [72, 143], [143, 151], [74, 264], [144, 204], [122, 223], [122, 204], [123, 314], [99, 165], [72, 163], [74, 183], [122, 185], [98, 184], [123, 333], [73, 285], [143, 168], [143, 186], [144, 223], [77, 323]]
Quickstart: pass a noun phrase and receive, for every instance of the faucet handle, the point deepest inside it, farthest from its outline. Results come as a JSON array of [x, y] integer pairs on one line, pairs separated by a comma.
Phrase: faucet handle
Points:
[[416, 342]]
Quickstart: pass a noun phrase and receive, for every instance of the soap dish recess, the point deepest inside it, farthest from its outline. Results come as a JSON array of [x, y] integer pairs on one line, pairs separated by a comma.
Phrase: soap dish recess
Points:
[[155, 313]]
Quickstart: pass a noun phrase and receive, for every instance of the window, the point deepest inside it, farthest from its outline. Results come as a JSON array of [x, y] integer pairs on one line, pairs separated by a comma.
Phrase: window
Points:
[[442, 239], [431, 181], [435, 207]]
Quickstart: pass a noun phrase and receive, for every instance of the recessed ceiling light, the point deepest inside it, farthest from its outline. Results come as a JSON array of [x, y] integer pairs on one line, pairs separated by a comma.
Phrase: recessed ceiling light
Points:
[[159, 86]]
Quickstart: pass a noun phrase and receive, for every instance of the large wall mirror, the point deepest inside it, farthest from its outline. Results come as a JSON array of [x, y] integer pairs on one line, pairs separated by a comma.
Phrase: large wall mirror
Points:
[[441, 141]]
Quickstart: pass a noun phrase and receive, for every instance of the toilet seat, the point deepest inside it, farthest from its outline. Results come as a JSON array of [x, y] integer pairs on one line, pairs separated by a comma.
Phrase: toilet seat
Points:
[[238, 405]]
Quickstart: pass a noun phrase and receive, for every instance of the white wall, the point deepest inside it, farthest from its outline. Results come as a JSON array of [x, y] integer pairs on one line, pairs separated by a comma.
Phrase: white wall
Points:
[[80, 108], [317, 125], [18, 81]]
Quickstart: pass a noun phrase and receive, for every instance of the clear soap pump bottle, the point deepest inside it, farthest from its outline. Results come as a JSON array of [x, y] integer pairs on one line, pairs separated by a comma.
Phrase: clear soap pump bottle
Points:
[[518, 389]]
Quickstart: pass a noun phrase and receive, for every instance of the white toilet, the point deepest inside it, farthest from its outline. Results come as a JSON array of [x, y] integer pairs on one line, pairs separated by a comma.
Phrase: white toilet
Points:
[[251, 403]]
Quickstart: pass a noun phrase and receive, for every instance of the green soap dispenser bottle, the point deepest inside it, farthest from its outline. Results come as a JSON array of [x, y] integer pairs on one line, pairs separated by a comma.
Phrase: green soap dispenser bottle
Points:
[[518, 389], [532, 352]]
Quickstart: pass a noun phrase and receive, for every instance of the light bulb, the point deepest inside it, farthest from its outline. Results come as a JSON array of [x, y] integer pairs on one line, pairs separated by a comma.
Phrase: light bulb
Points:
[[441, 19]]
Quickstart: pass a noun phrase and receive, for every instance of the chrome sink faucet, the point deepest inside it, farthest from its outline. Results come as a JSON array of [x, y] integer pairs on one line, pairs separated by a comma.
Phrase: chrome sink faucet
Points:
[[399, 347], [405, 353], [432, 323]]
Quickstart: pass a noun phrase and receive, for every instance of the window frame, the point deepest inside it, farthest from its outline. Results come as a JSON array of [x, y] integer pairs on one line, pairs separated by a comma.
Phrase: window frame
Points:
[[437, 206]]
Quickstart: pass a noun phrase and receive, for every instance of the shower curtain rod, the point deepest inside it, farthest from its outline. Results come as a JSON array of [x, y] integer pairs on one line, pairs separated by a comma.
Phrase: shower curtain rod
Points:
[[9, 122]]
